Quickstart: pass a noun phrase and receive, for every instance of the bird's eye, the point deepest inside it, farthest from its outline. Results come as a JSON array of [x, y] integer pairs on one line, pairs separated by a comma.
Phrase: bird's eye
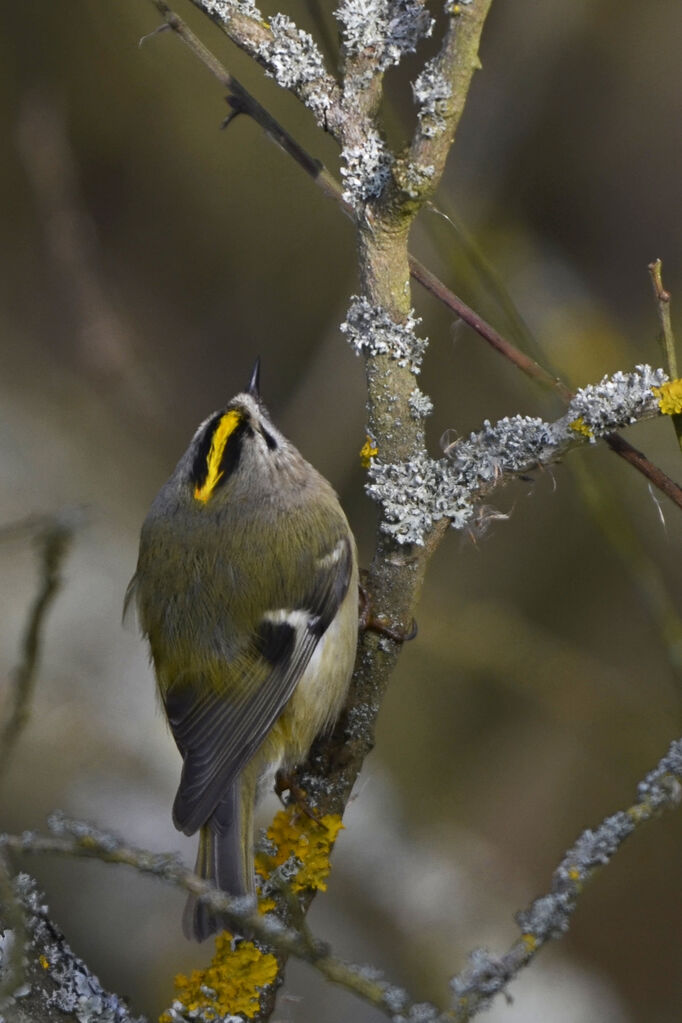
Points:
[[269, 439]]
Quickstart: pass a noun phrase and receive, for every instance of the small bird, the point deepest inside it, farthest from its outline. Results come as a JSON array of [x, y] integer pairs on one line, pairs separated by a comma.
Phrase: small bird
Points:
[[247, 590]]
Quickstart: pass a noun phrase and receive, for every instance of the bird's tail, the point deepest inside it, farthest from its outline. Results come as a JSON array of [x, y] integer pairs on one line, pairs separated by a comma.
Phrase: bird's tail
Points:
[[225, 857]]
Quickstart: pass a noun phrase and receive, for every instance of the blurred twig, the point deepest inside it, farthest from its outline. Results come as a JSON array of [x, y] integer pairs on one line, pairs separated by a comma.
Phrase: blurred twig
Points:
[[54, 538], [667, 337], [242, 101], [105, 340], [78, 839], [549, 916]]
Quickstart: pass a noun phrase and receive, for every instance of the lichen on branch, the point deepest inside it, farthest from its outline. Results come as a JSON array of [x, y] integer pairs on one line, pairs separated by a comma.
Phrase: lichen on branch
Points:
[[391, 28], [417, 493], [371, 331]]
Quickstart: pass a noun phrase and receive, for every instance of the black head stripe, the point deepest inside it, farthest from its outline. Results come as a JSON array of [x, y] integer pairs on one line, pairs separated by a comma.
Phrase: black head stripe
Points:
[[199, 465], [269, 439]]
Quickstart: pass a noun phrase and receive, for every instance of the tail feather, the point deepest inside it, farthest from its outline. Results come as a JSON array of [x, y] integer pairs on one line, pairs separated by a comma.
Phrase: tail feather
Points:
[[225, 857]]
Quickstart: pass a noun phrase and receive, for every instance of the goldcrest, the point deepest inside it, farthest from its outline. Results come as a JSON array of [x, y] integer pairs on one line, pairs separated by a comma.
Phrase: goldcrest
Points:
[[247, 590]]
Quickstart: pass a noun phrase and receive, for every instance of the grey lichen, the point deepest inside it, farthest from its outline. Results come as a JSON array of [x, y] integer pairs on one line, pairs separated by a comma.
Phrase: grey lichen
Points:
[[432, 91], [617, 400], [294, 61], [512, 445], [484, 977], [416, 494], [371, 331], [178, 1013], [387, 28], [366, 169], [414, 179], [662, 785], [420, 404], [60, 824], [226, 9]]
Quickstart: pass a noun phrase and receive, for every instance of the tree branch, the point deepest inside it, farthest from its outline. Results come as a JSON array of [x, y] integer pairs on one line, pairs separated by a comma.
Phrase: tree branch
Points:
[[242, 101], [78, 839]]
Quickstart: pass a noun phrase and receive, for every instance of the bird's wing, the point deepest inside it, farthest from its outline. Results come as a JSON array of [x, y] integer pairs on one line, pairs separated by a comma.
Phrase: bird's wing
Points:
[[218, 733]]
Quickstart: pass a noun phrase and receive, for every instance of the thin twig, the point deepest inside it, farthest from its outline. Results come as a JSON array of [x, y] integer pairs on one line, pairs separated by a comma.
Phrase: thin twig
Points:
[[663, 305], [525, 363], [289, 56], [666, 337], [639, 461], [242, 101], [54, 539]]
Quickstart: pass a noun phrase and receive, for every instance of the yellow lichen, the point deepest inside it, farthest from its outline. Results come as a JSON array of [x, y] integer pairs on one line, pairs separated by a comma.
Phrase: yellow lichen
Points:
[[293, 833], [530, 941], [669, 397], [368, 451], [580, 426], [574, 874], [232, 982], [44, 963]]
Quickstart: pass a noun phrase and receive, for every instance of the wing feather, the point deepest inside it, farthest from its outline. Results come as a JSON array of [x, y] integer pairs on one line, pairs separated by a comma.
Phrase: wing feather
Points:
[[217, 733]]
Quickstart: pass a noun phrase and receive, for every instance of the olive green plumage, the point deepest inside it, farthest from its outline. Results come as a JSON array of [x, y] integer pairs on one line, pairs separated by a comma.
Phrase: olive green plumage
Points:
[[246, 588]]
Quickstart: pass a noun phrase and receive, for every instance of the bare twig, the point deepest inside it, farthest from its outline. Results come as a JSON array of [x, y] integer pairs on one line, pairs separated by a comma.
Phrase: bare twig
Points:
[[54, 538], [667, 337], [663, 305], [242, 101], [638, 460], [511, 352]]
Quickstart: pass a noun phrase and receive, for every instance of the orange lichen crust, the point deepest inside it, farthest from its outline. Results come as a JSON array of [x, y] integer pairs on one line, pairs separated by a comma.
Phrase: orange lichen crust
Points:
[[232, 983], [580, 426], [311, 841], [670, 397], [368, 451]]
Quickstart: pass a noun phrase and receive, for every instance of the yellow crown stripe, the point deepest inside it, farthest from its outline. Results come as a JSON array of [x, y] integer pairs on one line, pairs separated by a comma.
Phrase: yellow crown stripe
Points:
[[227, 425]]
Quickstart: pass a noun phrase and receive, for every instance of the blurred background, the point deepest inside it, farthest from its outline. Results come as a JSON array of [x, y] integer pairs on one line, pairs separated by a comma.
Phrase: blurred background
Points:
[[147, 259]]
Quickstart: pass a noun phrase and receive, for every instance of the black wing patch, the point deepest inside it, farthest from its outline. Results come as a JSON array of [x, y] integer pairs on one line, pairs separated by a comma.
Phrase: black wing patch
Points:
[[217, 733]]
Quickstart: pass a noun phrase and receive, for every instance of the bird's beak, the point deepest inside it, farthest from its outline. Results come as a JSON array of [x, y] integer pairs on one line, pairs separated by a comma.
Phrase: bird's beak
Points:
[[254, 383]]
